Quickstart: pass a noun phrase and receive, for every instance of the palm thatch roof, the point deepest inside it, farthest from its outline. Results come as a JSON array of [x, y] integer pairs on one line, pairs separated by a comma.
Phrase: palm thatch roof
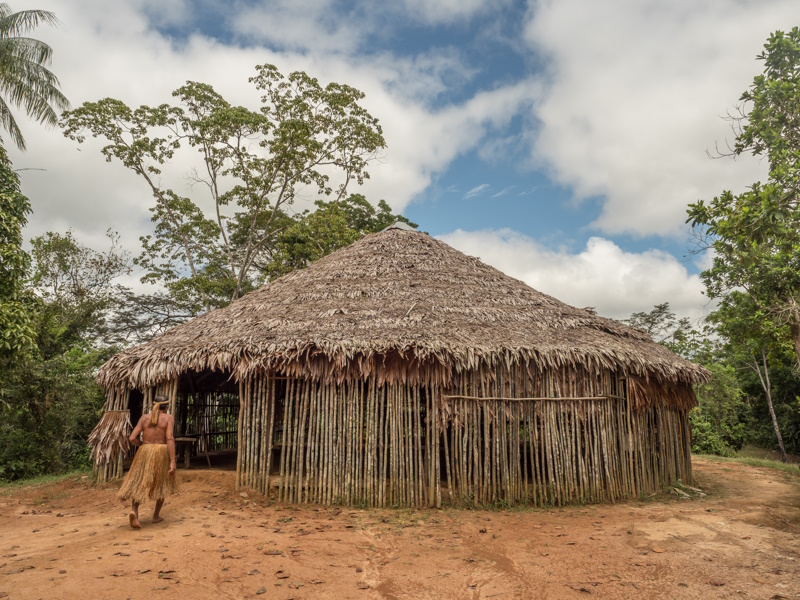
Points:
[[399, 305]]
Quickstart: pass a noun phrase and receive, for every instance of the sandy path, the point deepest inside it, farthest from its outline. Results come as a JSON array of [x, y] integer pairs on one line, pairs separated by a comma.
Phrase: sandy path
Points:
[[71, 540]]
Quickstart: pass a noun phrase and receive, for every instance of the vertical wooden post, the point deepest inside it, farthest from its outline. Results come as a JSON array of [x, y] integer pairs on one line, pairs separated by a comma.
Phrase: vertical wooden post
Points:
[[240, 448]]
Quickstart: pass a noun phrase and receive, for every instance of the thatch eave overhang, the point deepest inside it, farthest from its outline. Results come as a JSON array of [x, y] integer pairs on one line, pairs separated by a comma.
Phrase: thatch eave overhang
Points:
[[392, 297], [141, 367]]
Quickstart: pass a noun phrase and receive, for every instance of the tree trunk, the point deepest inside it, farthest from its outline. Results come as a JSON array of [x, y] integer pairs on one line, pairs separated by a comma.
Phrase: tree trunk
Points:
[[794, 329], [765, 383]]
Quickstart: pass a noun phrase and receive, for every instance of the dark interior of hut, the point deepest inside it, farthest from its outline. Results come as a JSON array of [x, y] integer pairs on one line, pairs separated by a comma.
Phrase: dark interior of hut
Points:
[[206, 414]]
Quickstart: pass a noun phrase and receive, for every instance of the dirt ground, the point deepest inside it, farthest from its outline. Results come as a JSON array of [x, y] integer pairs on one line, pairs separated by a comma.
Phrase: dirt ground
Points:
[[72, 540]]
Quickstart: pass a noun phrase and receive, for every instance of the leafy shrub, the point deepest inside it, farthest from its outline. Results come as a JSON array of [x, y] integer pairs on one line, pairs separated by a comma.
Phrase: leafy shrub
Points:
[[719, 421]]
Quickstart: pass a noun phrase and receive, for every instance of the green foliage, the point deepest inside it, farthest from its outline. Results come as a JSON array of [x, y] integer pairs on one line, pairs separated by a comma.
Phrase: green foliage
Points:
[[675, 333], [718, 421], [49, 401], [25, 80], [16, 334], [787, 413], [77, 287], [755, 235], [785, 389], [47, 410], [253, 164], [748, 329], [331, 226], [705, 438], [759, 347]]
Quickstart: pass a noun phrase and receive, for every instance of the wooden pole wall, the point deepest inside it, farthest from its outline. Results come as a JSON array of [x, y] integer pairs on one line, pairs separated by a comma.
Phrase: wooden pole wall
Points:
[[357, 444], [510, 441], [498, 437], [500, 440]]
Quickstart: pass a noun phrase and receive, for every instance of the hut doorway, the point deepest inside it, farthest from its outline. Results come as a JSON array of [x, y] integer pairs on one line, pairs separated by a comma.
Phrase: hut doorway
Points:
[[135, 405], [206, 412]]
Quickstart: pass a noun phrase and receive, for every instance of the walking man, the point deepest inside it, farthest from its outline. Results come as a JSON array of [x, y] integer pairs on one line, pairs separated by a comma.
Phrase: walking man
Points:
[[152, 473]]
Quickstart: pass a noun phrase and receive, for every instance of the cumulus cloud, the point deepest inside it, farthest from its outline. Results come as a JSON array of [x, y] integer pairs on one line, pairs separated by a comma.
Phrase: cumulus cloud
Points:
[[634, 91], [448, 11], [111, 49], [602, 275], [330, 26], [624, 112], [301, 25]]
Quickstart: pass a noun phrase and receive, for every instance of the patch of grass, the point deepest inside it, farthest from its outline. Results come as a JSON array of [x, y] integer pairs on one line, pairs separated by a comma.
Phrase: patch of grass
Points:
[[750, 451], [42, 480], [755, 462]]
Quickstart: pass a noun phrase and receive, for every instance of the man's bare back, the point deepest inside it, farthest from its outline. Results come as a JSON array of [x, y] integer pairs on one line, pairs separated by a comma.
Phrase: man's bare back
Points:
[[160, 434]]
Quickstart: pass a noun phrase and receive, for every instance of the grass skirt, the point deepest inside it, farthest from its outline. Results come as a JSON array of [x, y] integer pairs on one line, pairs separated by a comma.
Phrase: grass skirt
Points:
[[149, 475]]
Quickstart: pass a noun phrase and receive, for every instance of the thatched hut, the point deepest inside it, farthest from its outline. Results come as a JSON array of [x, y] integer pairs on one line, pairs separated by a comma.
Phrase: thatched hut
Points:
[[398, 371]]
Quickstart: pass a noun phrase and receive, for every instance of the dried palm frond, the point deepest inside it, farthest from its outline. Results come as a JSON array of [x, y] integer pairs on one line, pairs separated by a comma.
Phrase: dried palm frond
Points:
[[109, 438]]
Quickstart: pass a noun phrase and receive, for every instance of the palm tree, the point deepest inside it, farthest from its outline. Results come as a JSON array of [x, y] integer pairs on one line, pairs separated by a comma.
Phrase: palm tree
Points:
[[25, 80]]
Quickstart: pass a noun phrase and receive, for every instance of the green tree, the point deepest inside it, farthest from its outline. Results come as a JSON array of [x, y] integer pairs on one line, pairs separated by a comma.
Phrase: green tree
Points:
[[677, 334], [753, 341], [305, 138], [331, 226], [755, 235], [49, 400], [718, 421], [78, 287], [25, 80], [16, 334]]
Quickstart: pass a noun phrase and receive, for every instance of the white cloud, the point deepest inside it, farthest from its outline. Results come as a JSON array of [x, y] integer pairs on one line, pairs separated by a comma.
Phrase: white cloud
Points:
[[301, 25], [477, 190], [616, 283], [109, 49], [633, 96], [330, 26], [448, 11], [504, 191], [626, 112]]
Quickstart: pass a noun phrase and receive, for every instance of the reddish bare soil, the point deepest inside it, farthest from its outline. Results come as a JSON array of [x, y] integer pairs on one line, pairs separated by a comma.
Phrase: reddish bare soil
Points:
[[72, 540]]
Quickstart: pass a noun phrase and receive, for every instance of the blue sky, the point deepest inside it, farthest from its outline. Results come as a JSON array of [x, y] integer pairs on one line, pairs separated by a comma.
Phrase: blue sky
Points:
[[558, 141]]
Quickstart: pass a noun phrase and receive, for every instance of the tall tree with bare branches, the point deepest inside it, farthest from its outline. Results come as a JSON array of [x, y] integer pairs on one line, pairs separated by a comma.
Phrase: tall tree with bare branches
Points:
[[306, 139]]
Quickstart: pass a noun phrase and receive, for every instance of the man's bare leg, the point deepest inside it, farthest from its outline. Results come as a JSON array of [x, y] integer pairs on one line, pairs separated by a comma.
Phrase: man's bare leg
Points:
[[156, 513], [134, 516]]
